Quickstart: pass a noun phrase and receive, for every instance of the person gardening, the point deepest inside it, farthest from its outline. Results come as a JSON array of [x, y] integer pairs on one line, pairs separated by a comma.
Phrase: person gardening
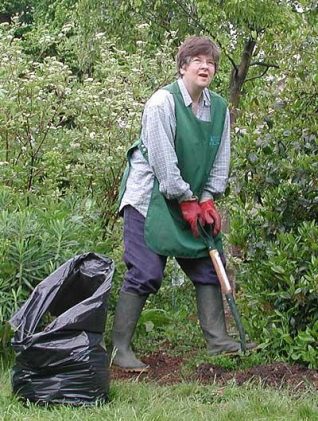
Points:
[[176, 169]]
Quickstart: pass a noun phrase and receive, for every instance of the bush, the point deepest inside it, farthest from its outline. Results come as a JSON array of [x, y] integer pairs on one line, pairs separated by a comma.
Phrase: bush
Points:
[[62, 150], [280, 297], [274, 202], [59, 135], [34, 241]]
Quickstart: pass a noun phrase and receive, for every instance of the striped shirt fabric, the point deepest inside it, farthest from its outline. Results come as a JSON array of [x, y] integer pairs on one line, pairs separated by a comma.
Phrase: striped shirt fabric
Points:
[[157, 134]]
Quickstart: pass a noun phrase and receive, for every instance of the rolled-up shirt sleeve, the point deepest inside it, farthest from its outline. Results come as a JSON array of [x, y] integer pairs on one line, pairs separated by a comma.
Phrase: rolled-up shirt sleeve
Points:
[[219, 173], [158, 133]]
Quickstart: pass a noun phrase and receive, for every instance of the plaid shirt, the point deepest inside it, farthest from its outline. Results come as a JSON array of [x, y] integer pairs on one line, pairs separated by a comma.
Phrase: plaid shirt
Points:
[[157, 134]]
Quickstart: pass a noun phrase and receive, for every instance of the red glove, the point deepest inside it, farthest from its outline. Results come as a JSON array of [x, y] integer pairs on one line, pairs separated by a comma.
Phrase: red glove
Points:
[[210, 215], [191, 212]]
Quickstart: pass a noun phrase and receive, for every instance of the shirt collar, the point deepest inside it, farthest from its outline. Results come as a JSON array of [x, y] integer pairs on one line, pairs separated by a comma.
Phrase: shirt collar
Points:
[[205, 97]]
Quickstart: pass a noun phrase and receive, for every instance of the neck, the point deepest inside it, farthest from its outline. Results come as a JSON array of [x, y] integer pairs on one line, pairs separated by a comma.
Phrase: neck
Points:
[[194, 93]]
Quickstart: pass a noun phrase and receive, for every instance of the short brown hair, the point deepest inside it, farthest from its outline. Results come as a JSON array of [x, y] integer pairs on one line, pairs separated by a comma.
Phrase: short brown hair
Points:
[[194, 46]]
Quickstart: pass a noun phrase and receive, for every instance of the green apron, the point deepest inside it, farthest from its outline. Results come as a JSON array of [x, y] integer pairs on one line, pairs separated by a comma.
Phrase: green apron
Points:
[[196, 145]]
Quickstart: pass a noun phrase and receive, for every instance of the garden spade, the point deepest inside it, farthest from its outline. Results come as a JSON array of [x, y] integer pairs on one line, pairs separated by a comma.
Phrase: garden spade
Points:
[[224, 281]]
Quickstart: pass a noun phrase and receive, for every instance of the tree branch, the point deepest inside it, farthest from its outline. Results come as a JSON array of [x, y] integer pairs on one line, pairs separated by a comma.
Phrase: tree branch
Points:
[[257, 77], [199, 25], [261, 63]]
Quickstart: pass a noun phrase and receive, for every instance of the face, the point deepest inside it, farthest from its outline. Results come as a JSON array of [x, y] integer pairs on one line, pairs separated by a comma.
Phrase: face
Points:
[[199, 73]]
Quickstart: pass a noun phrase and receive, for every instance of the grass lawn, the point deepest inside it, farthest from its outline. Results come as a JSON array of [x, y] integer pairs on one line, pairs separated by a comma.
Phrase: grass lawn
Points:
[[183, 402]]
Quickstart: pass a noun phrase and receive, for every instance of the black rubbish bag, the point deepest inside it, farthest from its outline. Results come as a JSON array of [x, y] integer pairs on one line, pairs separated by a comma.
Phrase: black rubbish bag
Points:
[[60, 353]]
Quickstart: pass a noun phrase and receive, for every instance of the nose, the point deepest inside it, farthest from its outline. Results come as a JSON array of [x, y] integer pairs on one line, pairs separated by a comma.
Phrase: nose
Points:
[[204, 64]]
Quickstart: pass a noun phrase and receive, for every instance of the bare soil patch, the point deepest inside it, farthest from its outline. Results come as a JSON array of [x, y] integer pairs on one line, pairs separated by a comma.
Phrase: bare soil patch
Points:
[[165, 369], [277, 375]]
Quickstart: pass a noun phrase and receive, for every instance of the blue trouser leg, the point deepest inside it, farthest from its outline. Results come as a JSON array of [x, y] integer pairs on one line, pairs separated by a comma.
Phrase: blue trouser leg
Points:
[[144, 267], [200, 271]]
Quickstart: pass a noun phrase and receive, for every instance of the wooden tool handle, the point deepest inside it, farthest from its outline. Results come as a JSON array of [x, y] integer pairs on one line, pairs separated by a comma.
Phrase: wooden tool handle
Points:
[[220, 271]]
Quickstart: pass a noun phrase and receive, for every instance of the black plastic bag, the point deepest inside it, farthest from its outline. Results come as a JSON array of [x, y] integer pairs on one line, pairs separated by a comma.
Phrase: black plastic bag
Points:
[[64, 360]]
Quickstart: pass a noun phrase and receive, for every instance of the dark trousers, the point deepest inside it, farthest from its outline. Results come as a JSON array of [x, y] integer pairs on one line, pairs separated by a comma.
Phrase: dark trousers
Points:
[[145, 268]]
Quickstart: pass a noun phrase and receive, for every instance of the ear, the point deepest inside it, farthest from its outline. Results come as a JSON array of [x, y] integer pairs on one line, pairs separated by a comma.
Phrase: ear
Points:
[[182, 70]]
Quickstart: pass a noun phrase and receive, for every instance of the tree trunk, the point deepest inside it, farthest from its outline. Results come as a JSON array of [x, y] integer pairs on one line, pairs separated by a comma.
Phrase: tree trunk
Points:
[[238, 77]]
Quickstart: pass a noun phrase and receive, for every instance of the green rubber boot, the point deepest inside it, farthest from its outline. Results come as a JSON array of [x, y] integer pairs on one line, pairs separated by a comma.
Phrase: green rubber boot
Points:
[[212, 321], [127, 313]]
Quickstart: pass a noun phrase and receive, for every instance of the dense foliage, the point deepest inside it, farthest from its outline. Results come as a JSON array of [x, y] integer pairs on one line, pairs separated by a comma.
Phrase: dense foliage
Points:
[[276, 206], [63, 143], [74, 76]]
